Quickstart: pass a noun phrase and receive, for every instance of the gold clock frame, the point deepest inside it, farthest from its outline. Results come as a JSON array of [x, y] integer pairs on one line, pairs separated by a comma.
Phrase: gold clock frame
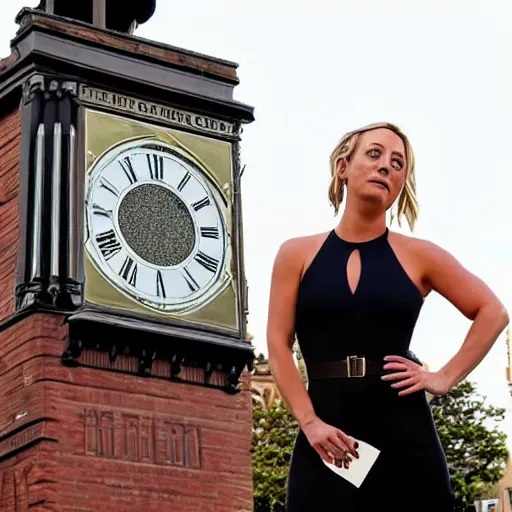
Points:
[[214, 157]]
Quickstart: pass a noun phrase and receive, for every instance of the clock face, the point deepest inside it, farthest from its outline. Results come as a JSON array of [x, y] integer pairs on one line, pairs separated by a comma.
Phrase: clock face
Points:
[[155, 227]]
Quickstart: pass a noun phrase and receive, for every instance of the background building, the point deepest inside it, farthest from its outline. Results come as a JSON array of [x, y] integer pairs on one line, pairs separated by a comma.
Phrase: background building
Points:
[[504, 487]]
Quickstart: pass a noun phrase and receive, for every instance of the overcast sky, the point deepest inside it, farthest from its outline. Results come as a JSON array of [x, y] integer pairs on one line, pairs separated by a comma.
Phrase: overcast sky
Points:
[[314, 70]]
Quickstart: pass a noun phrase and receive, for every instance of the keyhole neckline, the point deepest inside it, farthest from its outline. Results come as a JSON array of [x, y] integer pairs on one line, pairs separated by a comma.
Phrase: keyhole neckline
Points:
[[384, 236]]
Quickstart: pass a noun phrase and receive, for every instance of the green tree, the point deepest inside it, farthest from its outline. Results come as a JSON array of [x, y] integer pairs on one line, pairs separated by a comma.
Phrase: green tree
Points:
[[274, 432], [475, 449]]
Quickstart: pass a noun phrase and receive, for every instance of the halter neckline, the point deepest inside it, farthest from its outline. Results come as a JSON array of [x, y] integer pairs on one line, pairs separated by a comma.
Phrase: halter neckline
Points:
[[364, 243]]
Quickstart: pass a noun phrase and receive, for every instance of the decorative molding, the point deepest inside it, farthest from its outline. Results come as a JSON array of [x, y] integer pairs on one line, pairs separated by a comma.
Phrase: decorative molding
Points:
[[18, 439], [53, 87], [163, 369], [47, 269], [150, 111], [238, 171], [140, 439], [113, 342]]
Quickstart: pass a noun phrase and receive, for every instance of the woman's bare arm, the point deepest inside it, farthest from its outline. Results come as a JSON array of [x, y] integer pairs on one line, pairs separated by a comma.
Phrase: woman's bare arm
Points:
[[443, 273], [473, 298], [330, 443], [286, 278]]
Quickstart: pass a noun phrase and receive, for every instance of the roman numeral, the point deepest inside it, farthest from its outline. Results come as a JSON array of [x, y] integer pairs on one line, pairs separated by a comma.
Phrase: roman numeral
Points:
[[156, 167], [201, 204], [108, 244], [126, 165], [192, 283], [210, 232], [129, 271], [160, 289], [99, 210], [208, 262], [108, 186], [184, 181]]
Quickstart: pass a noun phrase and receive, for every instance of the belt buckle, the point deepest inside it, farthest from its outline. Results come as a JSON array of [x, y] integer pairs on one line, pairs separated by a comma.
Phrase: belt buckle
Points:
[[353, 366]]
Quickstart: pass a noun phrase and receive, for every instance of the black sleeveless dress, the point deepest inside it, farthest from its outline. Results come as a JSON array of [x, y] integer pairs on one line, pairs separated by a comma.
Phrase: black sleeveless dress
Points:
[[376, 320]]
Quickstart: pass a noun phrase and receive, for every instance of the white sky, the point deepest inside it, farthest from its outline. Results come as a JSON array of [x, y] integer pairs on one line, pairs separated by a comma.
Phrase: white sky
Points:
[[438, 69]]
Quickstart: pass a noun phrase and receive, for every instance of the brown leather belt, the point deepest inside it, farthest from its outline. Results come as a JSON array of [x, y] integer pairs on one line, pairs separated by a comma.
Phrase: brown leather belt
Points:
[[351, 366]]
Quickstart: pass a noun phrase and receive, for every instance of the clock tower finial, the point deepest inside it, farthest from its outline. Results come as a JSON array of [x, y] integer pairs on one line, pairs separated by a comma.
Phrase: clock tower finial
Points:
[[119, 15]]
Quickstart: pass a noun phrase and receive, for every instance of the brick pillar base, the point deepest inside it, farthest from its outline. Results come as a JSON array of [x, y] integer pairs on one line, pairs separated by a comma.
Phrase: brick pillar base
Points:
[[90, 440]]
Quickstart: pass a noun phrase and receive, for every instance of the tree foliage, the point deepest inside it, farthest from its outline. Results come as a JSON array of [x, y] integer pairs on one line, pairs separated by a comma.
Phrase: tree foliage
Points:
[[274, 432], [475, 449]]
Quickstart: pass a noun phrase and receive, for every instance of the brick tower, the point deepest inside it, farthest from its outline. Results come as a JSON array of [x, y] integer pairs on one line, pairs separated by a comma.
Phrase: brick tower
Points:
[[123, 341]]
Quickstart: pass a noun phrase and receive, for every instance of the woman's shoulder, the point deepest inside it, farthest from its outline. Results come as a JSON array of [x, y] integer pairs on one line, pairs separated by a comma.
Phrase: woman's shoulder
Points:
[[298, 249], [418, 246], [304, 242]]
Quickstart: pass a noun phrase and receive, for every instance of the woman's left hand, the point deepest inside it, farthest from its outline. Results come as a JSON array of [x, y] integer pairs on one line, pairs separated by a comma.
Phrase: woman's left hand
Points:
[[412, 377]]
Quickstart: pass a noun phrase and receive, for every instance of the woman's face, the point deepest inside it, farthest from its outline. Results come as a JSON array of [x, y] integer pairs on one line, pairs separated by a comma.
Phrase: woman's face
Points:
[[376, 171]]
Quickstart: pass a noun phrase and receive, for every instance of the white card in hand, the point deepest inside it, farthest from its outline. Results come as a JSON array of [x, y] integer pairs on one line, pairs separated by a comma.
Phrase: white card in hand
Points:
[[359, 468]]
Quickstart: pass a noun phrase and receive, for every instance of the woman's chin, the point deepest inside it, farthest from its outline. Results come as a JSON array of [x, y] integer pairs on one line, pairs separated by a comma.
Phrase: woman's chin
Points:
[[379, 200]]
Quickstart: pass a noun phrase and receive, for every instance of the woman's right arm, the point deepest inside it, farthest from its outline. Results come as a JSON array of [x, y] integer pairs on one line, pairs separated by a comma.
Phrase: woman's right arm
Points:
[[286, 277]]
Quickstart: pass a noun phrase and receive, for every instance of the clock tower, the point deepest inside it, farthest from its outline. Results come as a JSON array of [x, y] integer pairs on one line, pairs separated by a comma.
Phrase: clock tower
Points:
[[123, 341]]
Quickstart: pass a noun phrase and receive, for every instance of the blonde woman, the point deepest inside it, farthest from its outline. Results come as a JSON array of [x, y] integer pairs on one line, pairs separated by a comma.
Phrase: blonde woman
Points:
[[352, 296]]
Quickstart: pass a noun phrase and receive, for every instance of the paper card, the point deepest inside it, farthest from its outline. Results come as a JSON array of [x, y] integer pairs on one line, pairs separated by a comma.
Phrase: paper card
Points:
[[359, 468]]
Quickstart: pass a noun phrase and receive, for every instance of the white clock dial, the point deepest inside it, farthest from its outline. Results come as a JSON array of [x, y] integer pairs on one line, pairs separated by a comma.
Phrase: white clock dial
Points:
[[155, 227]]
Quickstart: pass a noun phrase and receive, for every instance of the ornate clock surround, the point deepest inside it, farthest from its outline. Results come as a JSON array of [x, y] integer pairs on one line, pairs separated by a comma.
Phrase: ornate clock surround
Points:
[[146, 219], [57, 74]]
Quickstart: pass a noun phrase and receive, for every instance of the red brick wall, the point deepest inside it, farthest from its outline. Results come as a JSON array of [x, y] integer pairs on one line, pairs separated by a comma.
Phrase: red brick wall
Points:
[[10, 136], [91, 440]]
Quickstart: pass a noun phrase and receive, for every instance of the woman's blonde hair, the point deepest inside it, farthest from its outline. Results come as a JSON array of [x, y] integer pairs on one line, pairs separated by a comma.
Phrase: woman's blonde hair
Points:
[[407, 203]]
